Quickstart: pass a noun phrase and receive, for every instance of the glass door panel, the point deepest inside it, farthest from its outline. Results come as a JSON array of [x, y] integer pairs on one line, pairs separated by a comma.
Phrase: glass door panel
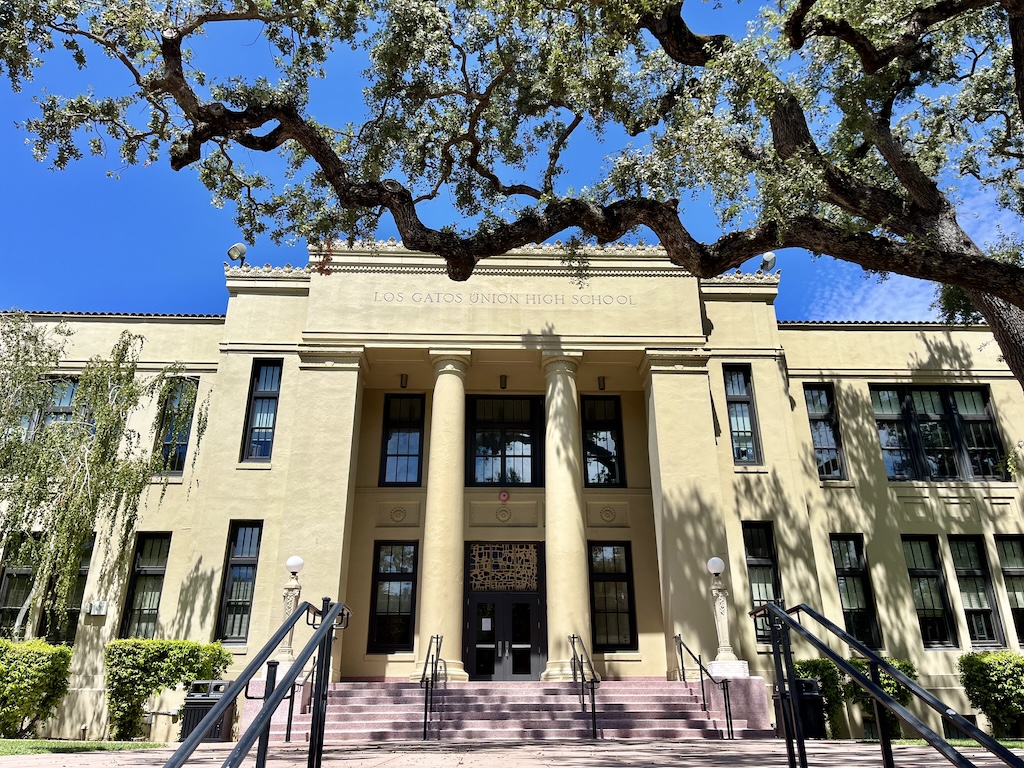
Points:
[[485, 645]]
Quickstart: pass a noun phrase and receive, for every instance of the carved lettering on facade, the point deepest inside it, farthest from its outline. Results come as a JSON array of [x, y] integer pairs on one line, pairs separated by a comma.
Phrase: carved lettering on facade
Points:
[[441, 298]]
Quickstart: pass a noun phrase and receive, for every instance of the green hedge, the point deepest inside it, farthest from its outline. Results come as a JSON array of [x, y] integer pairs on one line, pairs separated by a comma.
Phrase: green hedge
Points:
[[994, 683], [33, 680], [900, 692], [830, 683], [139, 669]]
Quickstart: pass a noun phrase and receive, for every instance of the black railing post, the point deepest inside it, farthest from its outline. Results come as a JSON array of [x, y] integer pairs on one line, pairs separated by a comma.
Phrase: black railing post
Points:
[[795, 696], [264, 742], [323, 666], [882, 720], [703, 695], [785, 713]]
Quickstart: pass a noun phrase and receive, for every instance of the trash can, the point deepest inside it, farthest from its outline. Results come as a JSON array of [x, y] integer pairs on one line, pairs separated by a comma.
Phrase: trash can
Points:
[[811, 711], [201, 697]]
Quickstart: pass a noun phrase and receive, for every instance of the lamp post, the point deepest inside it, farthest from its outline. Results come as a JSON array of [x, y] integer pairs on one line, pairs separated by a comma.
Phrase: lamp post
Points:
[[719, 596], [292, 591]]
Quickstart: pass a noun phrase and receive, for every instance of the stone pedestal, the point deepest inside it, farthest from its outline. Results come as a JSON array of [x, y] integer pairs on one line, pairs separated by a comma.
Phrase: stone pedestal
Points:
[[735, 668]]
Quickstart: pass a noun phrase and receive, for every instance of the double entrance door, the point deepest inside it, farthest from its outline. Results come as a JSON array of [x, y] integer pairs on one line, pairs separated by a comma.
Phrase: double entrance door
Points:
[[504, 627]]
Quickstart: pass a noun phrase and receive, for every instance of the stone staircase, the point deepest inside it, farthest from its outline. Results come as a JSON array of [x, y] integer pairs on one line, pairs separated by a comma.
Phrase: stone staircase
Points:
[[628, 709]]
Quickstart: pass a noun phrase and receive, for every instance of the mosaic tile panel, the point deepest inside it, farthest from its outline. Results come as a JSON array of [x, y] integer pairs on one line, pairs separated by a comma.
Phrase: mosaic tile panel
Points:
[[502, 567]]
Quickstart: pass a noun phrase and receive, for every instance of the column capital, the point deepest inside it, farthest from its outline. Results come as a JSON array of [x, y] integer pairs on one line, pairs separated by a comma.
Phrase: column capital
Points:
[[675, 361], [450, 360], [562, 361]]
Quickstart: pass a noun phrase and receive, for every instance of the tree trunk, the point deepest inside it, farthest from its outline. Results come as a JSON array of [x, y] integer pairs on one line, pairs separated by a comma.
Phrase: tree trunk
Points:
[[1007, 324]]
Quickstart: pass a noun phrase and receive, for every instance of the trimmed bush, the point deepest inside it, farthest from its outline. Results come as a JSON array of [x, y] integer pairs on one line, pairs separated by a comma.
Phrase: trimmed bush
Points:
[[139, 669], [900, 692], [830, 683], [33, 681], [994, 683]]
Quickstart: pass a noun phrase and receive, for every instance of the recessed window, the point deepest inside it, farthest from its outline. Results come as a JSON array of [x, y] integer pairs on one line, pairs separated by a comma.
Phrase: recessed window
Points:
[[264, 390], [613, 611], [739, 399], [602, 442], [506, 435], [179, 398], [393, 604], [928, 586], [1011, 559], [146, 585], [855, 593], [51, 627], [15, 589], [763, 573], [976, 594], [239, 581], [821, 411], [402, 451], [937, 433]]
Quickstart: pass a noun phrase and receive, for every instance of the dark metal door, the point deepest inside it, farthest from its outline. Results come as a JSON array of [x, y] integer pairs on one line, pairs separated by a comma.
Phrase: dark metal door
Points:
[[504, 636]]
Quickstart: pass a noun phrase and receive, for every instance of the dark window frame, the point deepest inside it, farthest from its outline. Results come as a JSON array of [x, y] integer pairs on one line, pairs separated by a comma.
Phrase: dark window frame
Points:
[[139, 571], [175, 431], [937, 573], [748, 399], [983, 572], [255, 395], [595, 424], [15, 567], [762, 625], [831, 419], [536, 427], [1013, 575], [375, 644], [595, 577], [862, 574], [398, 423], [915, 425], [232, 560], [51, 630]]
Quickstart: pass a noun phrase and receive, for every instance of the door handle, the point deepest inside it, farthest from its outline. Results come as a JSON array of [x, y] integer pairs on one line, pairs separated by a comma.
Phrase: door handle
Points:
[[497, 648]]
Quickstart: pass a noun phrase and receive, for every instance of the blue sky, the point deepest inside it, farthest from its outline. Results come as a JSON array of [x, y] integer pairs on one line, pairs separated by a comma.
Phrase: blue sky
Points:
[[148, 239]]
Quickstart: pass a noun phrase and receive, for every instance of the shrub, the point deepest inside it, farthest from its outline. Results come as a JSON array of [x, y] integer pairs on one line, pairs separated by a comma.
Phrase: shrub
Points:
[[138, 669], [829, 682], [900, 692], [33, 680], [994, 683]]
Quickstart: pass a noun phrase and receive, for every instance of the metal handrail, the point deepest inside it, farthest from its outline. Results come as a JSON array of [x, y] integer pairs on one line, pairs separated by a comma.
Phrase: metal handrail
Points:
[[783, 622], [291, 701], [325, 620], [723, 684], [429, 681], [581, 662]]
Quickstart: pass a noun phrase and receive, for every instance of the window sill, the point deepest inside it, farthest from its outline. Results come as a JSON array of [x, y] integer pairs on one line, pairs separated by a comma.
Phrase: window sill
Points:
[[620, 655], [837, 484], [957, 483], [177, 479], [743, 469], [406, 656], [257, 465], [235, 649]]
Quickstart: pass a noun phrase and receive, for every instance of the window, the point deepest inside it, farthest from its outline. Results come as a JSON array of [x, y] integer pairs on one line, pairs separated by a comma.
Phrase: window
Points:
[[147, 582], [15, 590], [612, 607], [1011, 558], [855, 588], [393, 606], [929, 589], [402, 452], [64, 632], [602, 442], [506, 436], [239, 581], [972, 575], [821, 411], [263, 394], [936, 433], [176, 423], [60, 406], [739, 398], [763, 572]]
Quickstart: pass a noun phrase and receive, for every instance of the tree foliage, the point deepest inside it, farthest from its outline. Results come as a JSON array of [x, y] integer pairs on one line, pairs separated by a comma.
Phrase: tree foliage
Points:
[[841, 129], [64, 474]]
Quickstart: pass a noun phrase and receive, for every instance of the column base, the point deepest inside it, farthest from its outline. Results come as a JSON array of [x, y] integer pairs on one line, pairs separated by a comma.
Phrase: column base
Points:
[[557, 670], [456, 672], [720, 669]]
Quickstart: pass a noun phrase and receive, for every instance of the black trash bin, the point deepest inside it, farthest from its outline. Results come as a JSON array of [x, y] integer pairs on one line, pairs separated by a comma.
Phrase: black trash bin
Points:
[[811, 710], [200, 699]]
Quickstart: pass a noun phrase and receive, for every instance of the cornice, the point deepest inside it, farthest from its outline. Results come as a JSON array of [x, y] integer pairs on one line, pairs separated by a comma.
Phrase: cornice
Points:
[[268, 271]]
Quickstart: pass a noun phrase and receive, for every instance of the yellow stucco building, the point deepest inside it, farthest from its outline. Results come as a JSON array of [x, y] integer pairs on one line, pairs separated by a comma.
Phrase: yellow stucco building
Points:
[[518, 458]]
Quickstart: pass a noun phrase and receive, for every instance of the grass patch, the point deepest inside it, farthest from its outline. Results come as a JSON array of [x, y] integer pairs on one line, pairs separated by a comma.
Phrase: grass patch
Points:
[[51, 746]]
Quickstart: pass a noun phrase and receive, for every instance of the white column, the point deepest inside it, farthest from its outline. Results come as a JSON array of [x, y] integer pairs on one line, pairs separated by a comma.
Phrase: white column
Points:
[[565, 537], [442, 561]]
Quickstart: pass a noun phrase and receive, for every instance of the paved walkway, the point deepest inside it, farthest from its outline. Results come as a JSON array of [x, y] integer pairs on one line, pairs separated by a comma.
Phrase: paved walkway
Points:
[[575, 754]]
